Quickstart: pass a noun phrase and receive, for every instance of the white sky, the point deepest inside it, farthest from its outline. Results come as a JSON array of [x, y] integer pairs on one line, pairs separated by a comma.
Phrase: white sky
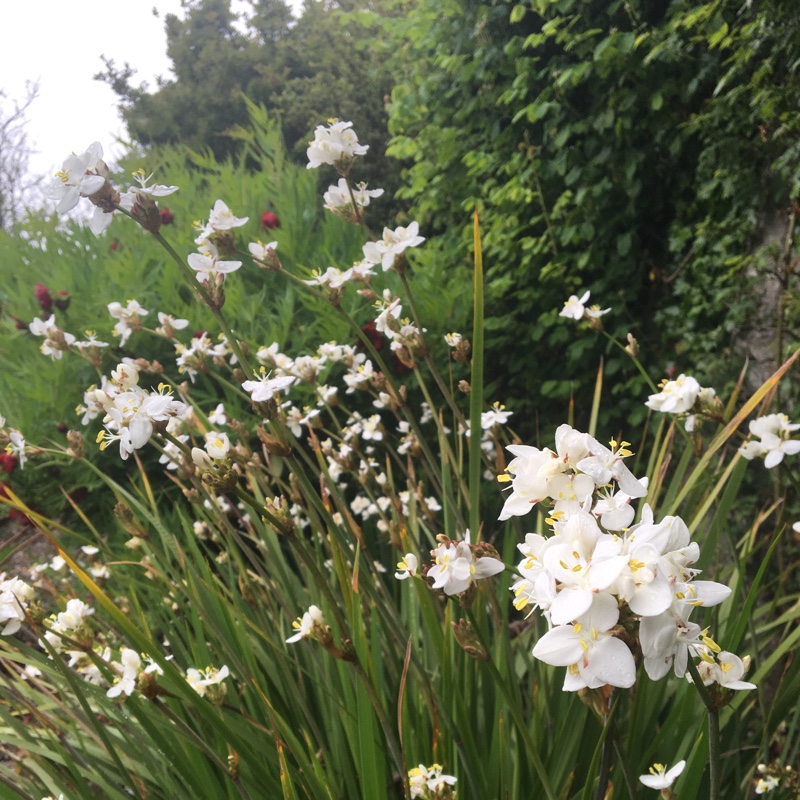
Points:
[[59, 43]]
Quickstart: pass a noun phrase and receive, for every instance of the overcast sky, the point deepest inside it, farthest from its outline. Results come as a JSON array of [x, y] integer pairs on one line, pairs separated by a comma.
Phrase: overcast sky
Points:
[[59, 43]]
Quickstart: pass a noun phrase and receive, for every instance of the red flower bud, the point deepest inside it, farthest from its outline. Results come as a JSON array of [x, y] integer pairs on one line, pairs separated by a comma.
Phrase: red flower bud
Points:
[[42, 295], [8, 462], [269, 219], [166, 216], [114, 244]]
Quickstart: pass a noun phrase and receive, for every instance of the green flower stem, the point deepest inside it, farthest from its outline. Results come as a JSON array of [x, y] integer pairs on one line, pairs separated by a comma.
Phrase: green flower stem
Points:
[[633, 358], [713, 731], [233, 342]]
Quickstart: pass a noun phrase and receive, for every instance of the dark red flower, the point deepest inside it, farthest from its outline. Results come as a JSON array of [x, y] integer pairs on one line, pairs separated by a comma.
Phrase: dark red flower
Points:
[[42, 295], [375, 336], [62, 300], [269, 219], [114, 244], [8, 462], [166, 216]]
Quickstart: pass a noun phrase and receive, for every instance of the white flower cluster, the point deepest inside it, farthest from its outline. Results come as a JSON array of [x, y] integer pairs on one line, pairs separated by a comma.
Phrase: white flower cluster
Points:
[[15, 595], [598, 575], [336, 144], [131, 412], [430, 783], [86, 175], [773, 442], [575, 308]]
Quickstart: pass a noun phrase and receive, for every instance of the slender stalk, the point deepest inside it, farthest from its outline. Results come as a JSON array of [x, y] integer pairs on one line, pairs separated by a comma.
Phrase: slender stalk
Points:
[[233, 342], [635, 360], [713, 731], [605, 760]]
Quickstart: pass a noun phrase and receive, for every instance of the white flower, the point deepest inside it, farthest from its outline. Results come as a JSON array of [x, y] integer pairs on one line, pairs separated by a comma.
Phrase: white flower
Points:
[[217, 444], [773, 430], [407, 567], [726, 669], [261, 252], [78, 178], [456, 568], [208, 267], [497, 415], [424, 780], [574, 308], [305, 626], [218, 416], [336, 145], [393, 243], [156, 190], [675, 397], [339, 201], [15, 595], [16, 446], [660, 778], [200, 680], [593, 656], [222, 219], [767, 784], [265, 388], [131, 667]]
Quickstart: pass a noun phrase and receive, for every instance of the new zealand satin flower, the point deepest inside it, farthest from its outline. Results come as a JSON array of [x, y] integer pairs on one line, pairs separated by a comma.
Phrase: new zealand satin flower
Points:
[[456, 566], [661, 778], [336, 145]]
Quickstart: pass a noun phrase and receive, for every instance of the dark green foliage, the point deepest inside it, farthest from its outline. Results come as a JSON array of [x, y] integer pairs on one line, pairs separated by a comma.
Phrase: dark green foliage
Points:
[[306, 71], [632, 148]]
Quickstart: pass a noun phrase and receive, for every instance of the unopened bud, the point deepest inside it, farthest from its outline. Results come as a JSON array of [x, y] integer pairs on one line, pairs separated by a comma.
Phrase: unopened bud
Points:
[[468, 640], [632, 348], [463, 386]]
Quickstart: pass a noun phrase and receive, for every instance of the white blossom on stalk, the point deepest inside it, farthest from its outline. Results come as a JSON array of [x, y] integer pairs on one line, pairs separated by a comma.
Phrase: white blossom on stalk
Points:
[[393, 243], [55, 339], [726, 669], [16, 446], [128, 318], [262, 253], [661, 778], [15, 595], [604, 464], [496, 415], [168, 324], [218, 415], [201, 680], [406, 567], [336, 145], [428, 782], [675, 397], [131, 667], [155, 190], [217, 444], [339, 201], [222, 218], [773, 431], [208, 267], [594, 657], [78, 178], [574, 308], [306, 625], [456, 568], [265, 388]]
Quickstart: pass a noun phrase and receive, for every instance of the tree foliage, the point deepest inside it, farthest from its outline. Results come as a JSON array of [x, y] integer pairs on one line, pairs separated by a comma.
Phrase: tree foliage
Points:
[[305, 71], [634, 148]]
